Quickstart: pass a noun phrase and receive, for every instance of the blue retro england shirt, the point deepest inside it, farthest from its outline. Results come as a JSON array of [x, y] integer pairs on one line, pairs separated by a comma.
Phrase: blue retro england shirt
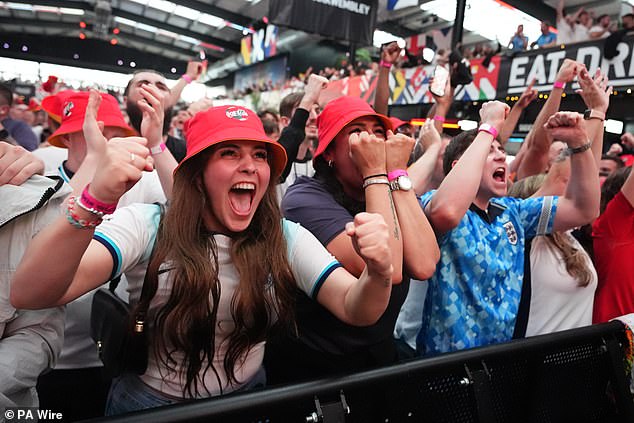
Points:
[[473, 296]]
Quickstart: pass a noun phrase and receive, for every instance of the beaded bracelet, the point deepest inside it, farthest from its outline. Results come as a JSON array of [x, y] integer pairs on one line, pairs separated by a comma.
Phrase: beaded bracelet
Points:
[[75, 220], [88, 209]]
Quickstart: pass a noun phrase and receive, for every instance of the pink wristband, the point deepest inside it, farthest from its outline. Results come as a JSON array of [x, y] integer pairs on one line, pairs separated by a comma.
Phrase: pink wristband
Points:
[[92, 203], [439, 118], [187, 78], [485, 127], [559, 84], [385, 64], [395, 174], [158, 149]]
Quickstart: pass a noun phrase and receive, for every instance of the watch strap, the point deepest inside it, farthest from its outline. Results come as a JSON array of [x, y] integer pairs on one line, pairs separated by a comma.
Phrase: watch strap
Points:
[[593, 114], [575, 150]]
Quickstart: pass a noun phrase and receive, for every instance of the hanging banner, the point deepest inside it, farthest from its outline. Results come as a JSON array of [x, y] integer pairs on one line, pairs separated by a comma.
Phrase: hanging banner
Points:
[[260, 45], [517, 72], [347, 20]]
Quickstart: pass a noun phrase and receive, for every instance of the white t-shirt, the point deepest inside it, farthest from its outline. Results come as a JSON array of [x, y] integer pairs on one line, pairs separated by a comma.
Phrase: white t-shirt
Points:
[[599, 28], [52, 157], [565, 33], [129, 235], [557, 301]]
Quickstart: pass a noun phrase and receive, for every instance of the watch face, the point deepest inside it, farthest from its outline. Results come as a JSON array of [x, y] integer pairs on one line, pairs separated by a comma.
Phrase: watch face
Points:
[[586, 114], [404, 183]]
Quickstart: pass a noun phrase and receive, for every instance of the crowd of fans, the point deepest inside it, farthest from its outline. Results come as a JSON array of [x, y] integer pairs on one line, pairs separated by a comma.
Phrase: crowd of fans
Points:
[[319, 238]]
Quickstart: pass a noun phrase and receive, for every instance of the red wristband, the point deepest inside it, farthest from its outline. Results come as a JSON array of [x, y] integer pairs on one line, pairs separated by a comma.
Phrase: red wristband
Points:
[[489, 129], [385, 64], [187, 78], [559, 84], [439, 118], [92, 203], [395, 174]]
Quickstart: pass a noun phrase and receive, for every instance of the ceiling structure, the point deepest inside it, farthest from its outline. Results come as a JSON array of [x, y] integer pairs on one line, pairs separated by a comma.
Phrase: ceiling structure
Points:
[[112, 34]]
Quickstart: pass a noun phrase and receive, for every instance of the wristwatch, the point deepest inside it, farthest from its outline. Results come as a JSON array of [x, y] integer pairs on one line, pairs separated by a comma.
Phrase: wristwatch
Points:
[[403, 183], [593, 114], [4, 134]]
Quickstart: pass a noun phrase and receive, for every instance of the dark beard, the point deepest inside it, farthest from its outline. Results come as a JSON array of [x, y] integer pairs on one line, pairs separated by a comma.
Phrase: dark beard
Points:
[[136, 116]]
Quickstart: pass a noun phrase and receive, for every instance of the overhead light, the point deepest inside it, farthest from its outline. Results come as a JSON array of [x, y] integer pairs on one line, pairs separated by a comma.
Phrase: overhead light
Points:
[[19, 6], [133, 64], [124, 21], [173, 70], [71, 11], [613, 126], [211, 20], [120, 62], [165, 6], [145, 27], [189, 39], [187, 13], [75, 56]]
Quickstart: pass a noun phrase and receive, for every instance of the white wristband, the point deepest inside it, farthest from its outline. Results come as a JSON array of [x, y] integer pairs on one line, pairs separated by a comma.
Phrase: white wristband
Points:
[[158, 149]]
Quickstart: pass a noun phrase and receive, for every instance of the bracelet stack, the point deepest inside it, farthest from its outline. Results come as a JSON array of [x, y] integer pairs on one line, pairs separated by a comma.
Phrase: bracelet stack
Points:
[[94, 206], [75, 220]]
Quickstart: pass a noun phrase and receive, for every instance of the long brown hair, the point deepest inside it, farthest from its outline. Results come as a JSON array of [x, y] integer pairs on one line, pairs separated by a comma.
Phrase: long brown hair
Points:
[[574, 258], [187, 322]]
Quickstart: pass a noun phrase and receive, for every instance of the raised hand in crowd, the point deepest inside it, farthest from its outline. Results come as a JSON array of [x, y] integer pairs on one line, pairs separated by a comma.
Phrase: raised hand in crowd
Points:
[[615, 149], [527, 97], [194, 71], [439, 110], [17, 164], [580, 204], [421, 171], [314, 86], [535, 155], [389, 56], [120, 167], [627, 139], [596, 93], [199, 106], [152, 106]]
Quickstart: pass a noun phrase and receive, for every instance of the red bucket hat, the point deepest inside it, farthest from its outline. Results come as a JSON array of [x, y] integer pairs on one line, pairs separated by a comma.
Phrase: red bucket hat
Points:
[[74, 108], [226, 123], [53, 104], [340, 112]]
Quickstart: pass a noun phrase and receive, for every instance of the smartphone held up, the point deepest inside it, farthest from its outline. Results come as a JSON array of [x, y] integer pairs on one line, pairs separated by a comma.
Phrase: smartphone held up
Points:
[[439, 81]]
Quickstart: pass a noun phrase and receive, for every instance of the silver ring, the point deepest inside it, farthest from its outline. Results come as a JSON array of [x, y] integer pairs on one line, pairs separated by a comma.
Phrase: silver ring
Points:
[[132, 157]]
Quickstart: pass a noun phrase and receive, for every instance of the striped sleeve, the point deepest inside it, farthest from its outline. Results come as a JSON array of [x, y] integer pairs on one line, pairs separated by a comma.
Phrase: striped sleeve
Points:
[[310, 262], [129, 235]]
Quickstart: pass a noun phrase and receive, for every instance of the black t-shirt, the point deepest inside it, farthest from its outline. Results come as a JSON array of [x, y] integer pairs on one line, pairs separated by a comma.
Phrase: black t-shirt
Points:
[[309, 203], [177, 147]]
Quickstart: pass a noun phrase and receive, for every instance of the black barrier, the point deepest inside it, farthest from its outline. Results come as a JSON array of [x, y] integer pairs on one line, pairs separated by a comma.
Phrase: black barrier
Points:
[[571, 376]]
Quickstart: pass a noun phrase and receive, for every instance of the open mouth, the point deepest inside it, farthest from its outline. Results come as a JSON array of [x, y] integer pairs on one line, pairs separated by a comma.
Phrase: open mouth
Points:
[[241, 197], [500, 174]]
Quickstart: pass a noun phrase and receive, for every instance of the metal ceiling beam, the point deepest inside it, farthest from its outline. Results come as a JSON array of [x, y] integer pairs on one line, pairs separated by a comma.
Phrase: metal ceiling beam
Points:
[[216, 11], [124, 35], [61, 3], [227, 45]]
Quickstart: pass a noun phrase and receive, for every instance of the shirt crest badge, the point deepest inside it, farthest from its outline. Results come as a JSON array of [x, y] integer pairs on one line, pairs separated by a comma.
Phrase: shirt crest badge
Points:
[[511, 233]]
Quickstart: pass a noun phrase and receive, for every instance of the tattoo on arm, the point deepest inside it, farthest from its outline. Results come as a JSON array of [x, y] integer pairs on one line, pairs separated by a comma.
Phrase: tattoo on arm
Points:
[[394, 219]]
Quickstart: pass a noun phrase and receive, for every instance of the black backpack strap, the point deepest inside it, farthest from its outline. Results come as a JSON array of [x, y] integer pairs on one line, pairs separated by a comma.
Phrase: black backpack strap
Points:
[[521, 321], [148, 290]]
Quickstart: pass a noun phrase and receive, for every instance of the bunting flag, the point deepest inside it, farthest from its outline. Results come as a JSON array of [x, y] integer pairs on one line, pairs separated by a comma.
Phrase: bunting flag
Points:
[[442, 37], [416, 43], [400, 4]]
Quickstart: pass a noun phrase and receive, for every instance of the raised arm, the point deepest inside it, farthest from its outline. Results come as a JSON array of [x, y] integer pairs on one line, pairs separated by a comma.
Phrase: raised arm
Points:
[[368, 152], [580, 203], [421, 171], [74, 263], [536, 155], [362, 301], [510, 123], [420, 250], [194, 71], [628, 189], [389, 56], [460, 187], [294, 134], [596, 94], [152, 106]]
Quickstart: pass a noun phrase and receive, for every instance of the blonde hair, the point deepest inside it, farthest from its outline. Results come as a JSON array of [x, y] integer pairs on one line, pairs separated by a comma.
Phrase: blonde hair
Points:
[[574, 258]]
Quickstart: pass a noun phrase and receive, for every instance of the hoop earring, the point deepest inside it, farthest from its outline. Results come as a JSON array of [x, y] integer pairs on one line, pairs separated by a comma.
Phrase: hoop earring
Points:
[[330, 163]]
